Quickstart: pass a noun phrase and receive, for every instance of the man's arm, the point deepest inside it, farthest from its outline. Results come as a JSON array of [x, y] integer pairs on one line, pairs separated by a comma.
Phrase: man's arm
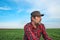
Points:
[[44, 34], [30, 34]]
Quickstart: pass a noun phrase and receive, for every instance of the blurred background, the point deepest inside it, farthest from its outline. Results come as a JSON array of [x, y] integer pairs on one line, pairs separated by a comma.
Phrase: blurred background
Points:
[[16, 13]]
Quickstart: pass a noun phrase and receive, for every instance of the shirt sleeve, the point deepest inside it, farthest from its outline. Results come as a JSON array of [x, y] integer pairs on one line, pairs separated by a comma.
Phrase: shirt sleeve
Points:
[[30, 34], [44, 34]]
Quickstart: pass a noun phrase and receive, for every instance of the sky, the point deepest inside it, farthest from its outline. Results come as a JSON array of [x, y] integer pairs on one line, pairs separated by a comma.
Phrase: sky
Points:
[[16, 13]]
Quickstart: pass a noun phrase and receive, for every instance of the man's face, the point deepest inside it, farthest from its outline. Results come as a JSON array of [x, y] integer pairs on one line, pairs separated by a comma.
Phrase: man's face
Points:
[[37, 19]]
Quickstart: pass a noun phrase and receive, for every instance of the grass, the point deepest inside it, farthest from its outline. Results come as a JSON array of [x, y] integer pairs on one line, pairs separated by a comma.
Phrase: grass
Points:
[[17, 34]]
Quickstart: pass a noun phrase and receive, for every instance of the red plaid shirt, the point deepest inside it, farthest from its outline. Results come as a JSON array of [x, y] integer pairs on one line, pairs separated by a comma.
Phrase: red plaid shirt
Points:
[[31, 33]]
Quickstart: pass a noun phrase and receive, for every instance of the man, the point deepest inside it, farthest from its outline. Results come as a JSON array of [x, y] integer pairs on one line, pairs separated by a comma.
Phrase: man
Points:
[[34, 29]]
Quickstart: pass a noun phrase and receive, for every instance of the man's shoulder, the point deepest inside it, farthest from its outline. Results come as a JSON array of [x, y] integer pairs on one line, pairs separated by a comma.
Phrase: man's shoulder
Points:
[[42, 25], [27, 25]]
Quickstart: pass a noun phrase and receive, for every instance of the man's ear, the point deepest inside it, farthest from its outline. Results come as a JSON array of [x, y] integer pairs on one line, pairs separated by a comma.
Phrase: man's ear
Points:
[[32, 18]]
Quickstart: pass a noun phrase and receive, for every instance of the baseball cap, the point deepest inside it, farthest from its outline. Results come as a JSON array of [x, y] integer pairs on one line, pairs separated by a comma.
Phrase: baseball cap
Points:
[[36, 13]]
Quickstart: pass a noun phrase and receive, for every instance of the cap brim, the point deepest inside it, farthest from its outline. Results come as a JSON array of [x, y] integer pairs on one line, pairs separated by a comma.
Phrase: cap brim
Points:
[[38, 15], [42, 15]]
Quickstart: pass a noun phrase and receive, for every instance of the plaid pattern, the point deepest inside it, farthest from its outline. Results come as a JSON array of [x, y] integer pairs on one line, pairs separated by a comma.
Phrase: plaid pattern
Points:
[[31, 33]]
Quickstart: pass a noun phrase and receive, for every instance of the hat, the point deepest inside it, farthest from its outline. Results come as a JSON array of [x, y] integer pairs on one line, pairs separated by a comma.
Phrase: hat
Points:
[[36, 13]]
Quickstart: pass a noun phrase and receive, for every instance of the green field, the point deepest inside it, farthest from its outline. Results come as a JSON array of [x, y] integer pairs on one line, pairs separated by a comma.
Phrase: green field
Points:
[[17, 34]]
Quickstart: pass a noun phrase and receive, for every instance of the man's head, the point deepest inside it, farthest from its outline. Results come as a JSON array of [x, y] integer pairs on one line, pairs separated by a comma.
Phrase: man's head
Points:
[[36, 16]]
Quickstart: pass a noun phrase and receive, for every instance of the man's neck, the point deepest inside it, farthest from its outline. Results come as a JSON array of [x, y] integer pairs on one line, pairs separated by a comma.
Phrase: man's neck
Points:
[[33, 23]]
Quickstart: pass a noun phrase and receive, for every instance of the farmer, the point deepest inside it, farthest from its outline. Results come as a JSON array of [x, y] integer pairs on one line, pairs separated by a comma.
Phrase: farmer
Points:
[[34, 29]]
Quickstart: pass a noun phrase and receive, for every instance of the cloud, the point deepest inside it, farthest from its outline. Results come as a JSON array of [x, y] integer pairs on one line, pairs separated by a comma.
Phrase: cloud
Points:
[[5, 8], [52, 25], [8, 25], [19, 10], [36, 3], [53, 11], [16, 24], [51, 7]]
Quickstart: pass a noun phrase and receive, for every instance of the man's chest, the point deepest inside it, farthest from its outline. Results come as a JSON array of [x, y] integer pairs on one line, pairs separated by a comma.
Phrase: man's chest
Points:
[[37, 31]]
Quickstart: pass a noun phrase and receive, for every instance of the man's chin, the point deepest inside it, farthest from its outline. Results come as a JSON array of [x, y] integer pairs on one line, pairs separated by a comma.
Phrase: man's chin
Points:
[[37, 24]]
